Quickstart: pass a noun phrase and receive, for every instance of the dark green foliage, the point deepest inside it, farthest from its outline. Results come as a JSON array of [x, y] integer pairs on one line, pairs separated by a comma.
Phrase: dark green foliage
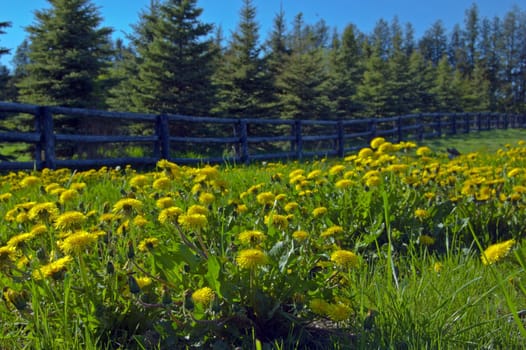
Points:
[[3, 25], [244, 84], [174, 66], [68, 50], [174, 63]]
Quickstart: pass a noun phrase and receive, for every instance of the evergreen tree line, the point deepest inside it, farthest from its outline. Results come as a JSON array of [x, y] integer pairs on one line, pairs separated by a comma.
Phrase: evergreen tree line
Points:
[[173, 62]]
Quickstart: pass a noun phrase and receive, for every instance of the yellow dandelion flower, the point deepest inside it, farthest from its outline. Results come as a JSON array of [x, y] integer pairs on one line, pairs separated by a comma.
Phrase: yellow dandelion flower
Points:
[[514, 172], [345, 258], [7, 253], [365, 153], [331, 231], [51, 187], [281, 197], [266, 198], [373, 181], [169, 215], [426, 240], [438, 266], [296, 172], [483, 194], [251, 237], [197, 209], [143, 282], [277, 220], [4, 197], [206, 198], [139, 221], [377, 142], [345, 183], [43, 211], [69, 220], [139, 181], [19, 239], [314, 174], [76, 242], [337, 169], [38, 229], [53, 269], [519, 189], [109, 217], [386, 147], [21, 218], [208, 173], [148, 244], [192, 221], [29, 180], [300, 235], [203, 296], [165, 202], [291, 206], [421, 213], [127, 205], [68, 196], [319, 306], [241, 208], [423, 151], [162, 183], [78, 186], [251, 258], [317, 212], [496, 251], [339, 312]]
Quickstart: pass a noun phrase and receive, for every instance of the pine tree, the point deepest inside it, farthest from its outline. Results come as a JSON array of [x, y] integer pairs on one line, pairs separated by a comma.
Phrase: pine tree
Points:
[[399, 80], [278, 53], [5, 88], [175, 67], [447, 88], [124, 71], [243, 81], [3, 25], [433, 45], [421, 80], [303, 84], [373, 92], [345, 73], [68, 51]]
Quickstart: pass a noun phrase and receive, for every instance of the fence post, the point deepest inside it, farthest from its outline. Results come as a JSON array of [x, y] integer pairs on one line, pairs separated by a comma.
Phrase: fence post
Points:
[[439, 124], [372, 128], [39, 151], [299, 140], [162, 131], [420, 128], [454, 124], [506, 120], [341, 148], [399, 126], [243, 140], [467, 121], [47, 138], [479, 121]]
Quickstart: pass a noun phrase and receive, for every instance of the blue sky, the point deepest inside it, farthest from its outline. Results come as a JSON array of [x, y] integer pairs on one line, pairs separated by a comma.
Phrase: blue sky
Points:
[[119, 14]]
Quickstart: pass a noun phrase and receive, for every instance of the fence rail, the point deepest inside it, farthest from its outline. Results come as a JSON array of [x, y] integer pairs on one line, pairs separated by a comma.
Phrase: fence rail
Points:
[[101, 138]]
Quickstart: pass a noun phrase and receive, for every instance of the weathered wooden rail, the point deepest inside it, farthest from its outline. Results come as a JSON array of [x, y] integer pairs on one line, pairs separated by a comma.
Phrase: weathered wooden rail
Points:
[[101, 138]]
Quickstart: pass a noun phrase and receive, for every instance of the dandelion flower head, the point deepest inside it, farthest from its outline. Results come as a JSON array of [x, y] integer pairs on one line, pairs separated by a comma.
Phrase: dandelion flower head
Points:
[[251, 258], [496, 252]]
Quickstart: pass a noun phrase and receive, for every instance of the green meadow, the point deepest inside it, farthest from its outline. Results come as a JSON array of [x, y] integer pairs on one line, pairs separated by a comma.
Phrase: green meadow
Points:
[[397, 246]]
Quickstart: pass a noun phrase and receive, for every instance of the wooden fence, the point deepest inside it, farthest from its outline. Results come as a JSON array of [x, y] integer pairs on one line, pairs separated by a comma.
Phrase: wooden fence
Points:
[[102, 138]]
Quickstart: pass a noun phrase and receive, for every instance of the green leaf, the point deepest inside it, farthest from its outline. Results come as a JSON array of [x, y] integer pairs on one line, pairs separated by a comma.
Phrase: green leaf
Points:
[[212, 276]]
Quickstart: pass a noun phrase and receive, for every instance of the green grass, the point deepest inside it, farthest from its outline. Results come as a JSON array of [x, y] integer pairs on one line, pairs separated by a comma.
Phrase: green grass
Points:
[[482, 141]]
